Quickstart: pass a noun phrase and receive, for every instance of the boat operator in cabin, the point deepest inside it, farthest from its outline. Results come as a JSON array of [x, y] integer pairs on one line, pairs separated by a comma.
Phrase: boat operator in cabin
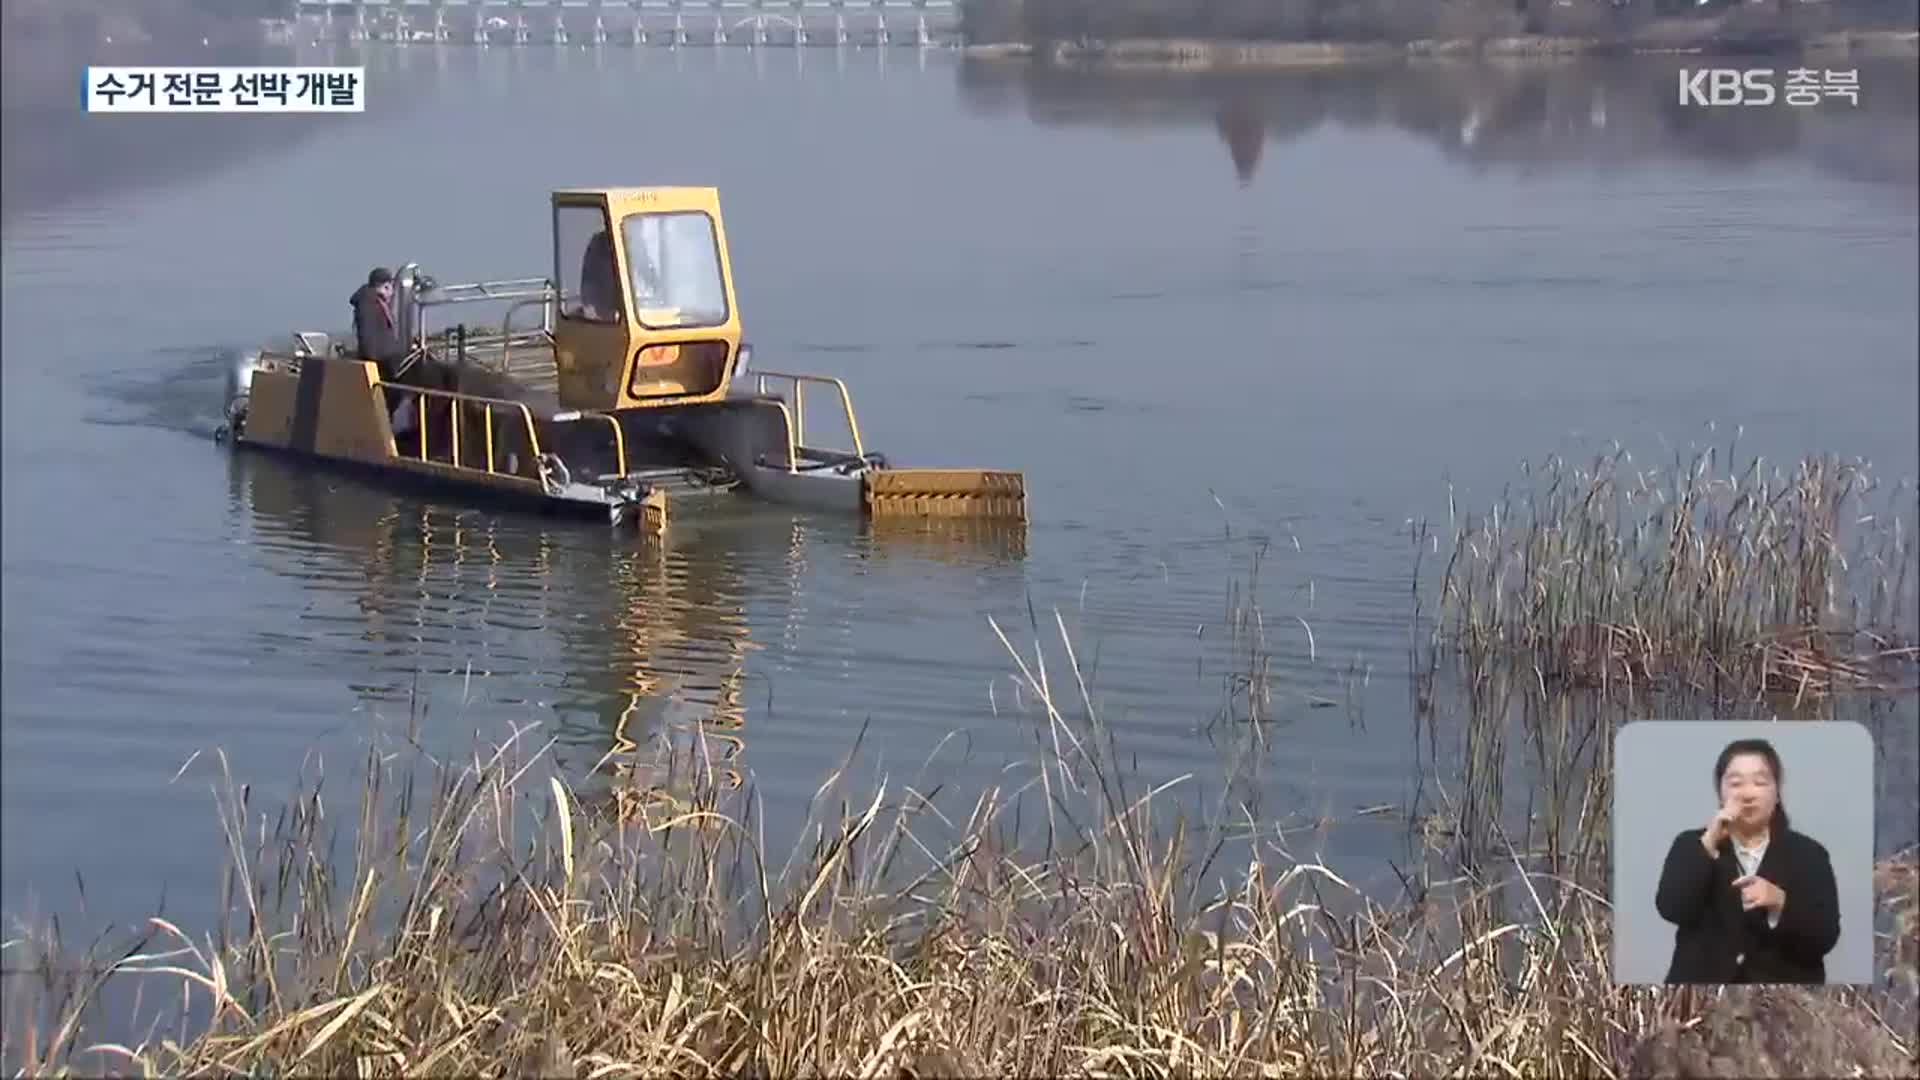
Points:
[[600, 280]]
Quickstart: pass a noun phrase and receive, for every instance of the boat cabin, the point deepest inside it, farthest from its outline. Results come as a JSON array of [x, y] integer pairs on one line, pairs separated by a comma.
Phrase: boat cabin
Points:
[[645, 312], [639, 311]]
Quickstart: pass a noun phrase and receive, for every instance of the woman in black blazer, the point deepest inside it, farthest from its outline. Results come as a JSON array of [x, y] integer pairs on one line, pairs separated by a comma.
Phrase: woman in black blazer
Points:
[[1752, 900]]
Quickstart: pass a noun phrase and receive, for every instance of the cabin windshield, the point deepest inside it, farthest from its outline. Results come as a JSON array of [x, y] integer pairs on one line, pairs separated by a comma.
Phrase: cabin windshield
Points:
[[674, 262]]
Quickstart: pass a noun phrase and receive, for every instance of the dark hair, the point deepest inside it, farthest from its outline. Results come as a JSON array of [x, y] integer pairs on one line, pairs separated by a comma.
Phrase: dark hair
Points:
[[1765, 749], [379, 275]]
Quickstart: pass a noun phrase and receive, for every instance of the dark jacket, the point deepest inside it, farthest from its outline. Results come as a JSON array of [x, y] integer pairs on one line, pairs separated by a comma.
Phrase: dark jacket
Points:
[[379, 339], [1716, 942], [600, 277]]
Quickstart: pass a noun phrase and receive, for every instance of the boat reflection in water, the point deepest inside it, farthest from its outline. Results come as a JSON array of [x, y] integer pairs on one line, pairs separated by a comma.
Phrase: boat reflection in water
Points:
[[672, 696], [638, 652]]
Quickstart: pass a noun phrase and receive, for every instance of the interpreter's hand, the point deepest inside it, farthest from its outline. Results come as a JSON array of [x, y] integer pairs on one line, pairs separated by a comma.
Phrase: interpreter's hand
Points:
[[1717, 830], [1757, 892]]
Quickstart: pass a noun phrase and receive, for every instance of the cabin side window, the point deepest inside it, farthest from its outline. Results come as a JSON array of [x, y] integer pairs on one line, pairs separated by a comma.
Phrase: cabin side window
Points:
[[588, 275], [673, 260]]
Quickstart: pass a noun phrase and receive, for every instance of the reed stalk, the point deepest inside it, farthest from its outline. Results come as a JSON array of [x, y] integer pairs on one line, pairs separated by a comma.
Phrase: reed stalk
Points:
[[1738, 584]]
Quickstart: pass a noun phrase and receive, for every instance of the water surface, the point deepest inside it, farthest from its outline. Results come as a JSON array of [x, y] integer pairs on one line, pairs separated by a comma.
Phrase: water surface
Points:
[[1202, 315]]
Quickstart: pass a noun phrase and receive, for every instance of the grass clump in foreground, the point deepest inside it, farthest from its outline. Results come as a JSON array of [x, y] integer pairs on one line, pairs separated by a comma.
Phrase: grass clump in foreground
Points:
[[1740, 584], [471, 938]]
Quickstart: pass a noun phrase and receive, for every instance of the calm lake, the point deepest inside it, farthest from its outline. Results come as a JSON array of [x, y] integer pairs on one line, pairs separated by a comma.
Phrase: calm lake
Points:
[[1201, 314]]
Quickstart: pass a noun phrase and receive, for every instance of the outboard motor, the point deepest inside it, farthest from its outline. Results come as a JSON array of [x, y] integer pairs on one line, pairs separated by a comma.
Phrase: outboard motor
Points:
[[240, 371]]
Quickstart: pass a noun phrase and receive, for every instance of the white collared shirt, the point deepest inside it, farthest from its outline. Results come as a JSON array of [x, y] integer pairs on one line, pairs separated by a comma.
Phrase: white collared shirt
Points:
[[1749, 859]]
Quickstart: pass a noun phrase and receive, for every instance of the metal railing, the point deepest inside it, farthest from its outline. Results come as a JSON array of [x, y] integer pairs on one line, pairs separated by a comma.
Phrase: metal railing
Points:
[[545, 333], [477, 291], [527, 292], [490, 348], [619, 435], [487, 405], [454, 397], [478, 348], [797, 416]]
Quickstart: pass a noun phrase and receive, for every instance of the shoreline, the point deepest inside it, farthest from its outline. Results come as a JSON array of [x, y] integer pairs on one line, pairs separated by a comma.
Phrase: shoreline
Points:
[[1204, 54]]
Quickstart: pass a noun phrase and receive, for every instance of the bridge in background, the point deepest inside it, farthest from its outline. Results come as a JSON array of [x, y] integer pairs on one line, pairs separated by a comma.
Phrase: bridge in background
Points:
[[925, 23]]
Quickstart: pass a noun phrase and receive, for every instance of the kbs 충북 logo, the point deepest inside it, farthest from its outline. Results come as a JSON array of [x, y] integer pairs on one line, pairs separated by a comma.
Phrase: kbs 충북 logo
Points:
[[1721, 87], [225, 89]]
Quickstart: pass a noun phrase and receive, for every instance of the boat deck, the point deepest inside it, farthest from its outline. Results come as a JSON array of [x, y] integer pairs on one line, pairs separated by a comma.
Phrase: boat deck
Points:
[[495, 376]]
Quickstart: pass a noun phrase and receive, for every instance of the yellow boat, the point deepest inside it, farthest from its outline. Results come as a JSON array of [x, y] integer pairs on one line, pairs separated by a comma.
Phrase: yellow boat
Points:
[[634, 389]]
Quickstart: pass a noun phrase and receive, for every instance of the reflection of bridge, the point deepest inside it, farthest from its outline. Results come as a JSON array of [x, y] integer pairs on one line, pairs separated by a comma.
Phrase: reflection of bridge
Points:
[[641, 22], [452, 67]]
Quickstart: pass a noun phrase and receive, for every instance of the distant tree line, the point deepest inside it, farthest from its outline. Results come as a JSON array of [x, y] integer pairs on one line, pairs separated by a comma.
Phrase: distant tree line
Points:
[[1040, 21]]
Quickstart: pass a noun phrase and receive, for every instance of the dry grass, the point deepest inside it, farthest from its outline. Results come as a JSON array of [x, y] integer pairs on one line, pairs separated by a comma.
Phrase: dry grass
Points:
[[1737, 585], [491, 920], [504, 926]]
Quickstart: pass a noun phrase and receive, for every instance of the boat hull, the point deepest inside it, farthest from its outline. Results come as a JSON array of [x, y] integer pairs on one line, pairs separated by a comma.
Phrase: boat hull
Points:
[[334, 410], [625, 465], [749, 436]]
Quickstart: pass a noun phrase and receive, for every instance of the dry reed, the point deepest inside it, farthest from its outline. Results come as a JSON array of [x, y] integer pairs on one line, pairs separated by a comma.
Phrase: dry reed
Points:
[[1738, 585], [506, 926]]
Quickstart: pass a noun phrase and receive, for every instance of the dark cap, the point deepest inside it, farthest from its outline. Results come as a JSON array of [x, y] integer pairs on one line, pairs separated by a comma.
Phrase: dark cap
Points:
[[379, 275]]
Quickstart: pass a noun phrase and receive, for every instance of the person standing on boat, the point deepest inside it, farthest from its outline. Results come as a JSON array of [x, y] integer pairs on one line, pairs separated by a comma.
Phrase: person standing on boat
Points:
[[378, 339], [373, 323], [378, 335]]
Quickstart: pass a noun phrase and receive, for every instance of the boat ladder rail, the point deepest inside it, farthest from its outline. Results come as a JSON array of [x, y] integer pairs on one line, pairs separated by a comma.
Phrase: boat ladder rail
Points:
[[793, 410], [419, 448]]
